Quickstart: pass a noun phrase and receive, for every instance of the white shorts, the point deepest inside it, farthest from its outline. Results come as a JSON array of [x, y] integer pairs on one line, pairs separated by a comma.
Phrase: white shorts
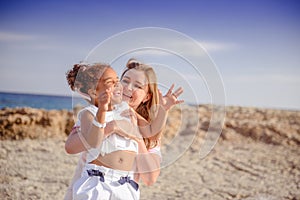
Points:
[[90, 187]]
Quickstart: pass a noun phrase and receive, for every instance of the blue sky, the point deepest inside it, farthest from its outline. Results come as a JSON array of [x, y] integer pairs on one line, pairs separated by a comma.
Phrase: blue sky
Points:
[[254, 44]]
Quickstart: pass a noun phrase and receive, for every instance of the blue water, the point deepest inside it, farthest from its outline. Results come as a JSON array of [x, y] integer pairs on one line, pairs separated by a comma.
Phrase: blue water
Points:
[[47, 102]]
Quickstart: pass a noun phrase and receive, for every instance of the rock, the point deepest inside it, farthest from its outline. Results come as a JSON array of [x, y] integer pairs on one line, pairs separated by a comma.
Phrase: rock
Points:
[[270, 126], [20, 123]]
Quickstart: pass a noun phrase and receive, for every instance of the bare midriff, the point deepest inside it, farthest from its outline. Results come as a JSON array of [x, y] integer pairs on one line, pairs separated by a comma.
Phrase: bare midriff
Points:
[[121, 160]]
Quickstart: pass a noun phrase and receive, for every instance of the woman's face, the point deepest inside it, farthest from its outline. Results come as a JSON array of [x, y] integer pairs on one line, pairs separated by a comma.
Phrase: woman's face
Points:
[[135, 87]]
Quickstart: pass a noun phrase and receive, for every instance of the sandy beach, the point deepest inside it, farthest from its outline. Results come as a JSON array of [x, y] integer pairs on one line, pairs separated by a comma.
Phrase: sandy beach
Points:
[[256, 157]]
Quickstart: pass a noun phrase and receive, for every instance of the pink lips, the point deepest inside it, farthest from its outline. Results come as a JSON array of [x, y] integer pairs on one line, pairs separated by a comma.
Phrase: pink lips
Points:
[[117, 93], [127, 96]]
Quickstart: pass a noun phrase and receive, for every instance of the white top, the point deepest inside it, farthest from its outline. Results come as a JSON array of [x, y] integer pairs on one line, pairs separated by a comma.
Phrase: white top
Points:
[[113, 142]]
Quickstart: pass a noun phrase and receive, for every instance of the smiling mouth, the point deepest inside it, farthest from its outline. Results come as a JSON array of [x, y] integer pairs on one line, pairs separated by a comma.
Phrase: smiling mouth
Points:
[[117, 93], [127, 96]]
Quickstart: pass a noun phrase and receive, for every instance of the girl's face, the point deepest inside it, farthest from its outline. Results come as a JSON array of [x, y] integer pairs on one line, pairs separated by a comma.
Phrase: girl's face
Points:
[[117, 92], [108, 80], [135, 87]]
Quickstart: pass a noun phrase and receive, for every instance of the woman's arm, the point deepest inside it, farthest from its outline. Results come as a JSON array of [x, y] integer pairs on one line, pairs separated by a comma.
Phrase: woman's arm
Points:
[[148, 165], [74, 143], [165, 104], [149, 129]]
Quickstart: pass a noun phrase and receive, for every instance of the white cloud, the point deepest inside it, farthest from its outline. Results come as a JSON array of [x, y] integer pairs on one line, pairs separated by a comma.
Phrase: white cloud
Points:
[[218, 46], [267, 78], [10, 37], [188, 48], [156, 42], [208, 46]]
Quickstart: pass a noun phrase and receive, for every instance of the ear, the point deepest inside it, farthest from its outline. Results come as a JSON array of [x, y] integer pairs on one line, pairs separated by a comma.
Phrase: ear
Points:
[[147, 98], [92, 93]]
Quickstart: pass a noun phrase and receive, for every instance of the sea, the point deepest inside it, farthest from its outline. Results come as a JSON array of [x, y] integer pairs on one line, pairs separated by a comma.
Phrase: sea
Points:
[[47, 102]]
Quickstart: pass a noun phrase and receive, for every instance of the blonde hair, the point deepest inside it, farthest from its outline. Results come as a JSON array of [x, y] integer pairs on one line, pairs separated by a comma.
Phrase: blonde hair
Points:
[[147, 109]]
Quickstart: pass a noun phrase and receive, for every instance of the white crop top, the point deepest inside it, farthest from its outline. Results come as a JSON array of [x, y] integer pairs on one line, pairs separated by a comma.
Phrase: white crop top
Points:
[[113, 142]]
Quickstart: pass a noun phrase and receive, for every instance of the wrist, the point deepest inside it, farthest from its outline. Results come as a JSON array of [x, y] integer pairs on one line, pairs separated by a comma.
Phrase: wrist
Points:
[[100, 113], [102, 109], [139, 140], [99, 125]]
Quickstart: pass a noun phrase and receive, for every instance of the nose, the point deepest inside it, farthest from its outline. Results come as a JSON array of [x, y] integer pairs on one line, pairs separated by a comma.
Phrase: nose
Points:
[[117, 85], [129, 86]]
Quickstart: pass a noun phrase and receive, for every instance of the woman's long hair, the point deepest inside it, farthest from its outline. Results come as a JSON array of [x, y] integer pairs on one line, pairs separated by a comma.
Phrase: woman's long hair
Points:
[[147, 109]]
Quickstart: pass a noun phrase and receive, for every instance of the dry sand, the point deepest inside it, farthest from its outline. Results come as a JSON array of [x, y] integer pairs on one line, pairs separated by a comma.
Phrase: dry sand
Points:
[[257, 157]]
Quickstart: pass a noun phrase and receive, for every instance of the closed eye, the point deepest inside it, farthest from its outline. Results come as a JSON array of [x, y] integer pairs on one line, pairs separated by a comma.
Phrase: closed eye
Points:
[[138, 86]]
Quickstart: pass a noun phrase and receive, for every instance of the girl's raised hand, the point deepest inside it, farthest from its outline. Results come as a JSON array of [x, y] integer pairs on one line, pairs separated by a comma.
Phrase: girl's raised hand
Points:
[[170, 99], [104, 99]]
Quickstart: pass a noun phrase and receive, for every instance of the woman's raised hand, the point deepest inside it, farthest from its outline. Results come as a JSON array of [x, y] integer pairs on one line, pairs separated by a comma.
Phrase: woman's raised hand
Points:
[[170, 99]]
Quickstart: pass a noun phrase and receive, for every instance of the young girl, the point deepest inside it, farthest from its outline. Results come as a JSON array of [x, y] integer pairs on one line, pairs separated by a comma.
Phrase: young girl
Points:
[[140, 90], [108, 175]]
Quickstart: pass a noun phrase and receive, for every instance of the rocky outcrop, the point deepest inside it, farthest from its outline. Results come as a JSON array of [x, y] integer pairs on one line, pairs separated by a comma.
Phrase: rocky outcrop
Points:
[[20, 123], [270, 126], [266, 125]]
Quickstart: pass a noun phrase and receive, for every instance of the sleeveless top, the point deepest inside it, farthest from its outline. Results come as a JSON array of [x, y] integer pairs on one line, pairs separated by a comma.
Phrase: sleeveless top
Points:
[[113, 142]]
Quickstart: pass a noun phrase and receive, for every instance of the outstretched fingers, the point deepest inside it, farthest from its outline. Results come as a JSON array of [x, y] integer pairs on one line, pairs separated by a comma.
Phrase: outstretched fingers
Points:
[[178, 92], [179, 101], [160, 95], [170, 90]]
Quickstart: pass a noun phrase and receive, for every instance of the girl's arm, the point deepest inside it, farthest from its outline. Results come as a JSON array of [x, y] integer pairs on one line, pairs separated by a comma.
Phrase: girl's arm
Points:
[[92, 128], [90, 135], [74, 143]]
